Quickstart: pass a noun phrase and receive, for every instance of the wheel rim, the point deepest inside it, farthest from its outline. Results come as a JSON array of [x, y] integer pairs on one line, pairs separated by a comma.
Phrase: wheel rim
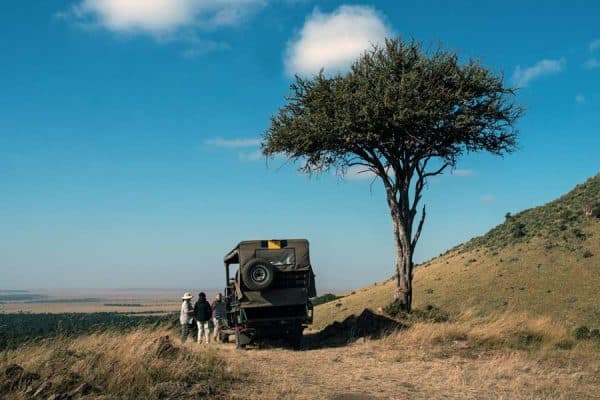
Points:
[[259, 274]]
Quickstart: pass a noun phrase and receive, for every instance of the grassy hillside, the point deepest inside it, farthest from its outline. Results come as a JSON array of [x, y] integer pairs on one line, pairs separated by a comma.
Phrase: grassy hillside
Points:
[[543, 261]]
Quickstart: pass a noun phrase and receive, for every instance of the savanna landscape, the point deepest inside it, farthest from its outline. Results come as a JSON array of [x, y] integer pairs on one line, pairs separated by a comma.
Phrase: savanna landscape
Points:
[[435, 164], [510, 314]]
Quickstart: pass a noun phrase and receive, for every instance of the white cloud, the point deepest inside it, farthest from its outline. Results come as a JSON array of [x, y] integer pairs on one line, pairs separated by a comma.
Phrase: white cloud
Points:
[[522, 76], [233, 143], [158, 17], [333, 41], [488, 198], [592, 63], [200, 47], [580, 99], [250, 156], [463, 172], [594, 45], [358, 172]]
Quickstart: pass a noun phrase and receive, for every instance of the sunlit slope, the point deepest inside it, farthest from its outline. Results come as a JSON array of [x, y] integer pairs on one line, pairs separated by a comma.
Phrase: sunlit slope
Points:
[[543, 261]]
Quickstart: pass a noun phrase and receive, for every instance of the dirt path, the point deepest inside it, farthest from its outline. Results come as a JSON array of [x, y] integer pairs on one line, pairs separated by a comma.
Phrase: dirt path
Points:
[[377, 369]]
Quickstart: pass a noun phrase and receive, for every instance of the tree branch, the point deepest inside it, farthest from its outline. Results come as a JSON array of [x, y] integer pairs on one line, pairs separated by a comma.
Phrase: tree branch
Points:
[[415, 239]]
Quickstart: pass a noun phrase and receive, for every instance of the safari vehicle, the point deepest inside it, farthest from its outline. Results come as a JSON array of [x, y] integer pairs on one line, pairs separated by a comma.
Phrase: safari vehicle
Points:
[[268, 295]]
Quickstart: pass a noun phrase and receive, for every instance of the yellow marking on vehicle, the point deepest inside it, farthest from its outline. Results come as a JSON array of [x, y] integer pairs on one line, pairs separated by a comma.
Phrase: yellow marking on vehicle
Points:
[[274, 244]]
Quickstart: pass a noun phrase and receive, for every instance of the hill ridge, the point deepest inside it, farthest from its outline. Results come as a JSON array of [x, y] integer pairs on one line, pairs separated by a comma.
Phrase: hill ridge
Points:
[[543, 261]]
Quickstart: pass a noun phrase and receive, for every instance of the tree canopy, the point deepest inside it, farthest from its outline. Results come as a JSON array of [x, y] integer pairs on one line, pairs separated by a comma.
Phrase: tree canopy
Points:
[[403, 112]]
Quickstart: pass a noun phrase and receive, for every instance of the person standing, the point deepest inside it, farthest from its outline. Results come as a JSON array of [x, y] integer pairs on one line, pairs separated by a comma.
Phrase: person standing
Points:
[[186, 315], [203, 314], [219, 314]]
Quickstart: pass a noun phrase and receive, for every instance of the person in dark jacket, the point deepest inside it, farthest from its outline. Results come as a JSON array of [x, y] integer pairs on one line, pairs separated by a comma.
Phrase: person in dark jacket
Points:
[[203, 315]]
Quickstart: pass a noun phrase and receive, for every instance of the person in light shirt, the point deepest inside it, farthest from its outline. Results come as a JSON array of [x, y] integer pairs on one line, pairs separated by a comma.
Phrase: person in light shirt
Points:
[[186, 315]]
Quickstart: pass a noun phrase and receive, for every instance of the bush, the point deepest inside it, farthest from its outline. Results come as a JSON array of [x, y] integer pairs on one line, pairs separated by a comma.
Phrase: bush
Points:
[[581, 332], [587, 254], [595, 334], [565, 344], [524, 340], [518, 230], [579, 234], [431, 313], [395, 309], [326, 298]]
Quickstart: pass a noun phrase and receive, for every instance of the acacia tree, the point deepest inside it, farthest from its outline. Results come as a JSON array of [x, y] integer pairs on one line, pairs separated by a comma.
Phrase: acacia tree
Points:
[[404, 114]]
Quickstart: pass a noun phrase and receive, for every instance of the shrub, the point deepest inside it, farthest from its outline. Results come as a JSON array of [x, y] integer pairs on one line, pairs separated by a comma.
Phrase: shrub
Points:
[[395, 309], [518, 230], [595, 334], [326, 298], [587, 254], [564, 344], [579, 234], [581, 332], [524, 340], [430, 313]]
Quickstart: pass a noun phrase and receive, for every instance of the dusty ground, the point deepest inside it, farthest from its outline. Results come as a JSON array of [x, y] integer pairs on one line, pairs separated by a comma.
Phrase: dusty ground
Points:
[[379, 370]]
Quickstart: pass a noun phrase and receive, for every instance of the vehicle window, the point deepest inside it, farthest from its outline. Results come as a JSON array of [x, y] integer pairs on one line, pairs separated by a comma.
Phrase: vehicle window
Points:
[[278, 257]]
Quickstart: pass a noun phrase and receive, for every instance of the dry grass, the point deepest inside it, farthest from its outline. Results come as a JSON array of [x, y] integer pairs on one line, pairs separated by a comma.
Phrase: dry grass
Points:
[[466, 359], [526, 277], [511, 356], [119, 365]]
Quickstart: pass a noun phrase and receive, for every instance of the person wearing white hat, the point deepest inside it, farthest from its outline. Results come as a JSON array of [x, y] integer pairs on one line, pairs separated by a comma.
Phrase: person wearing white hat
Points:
[[186, 316]]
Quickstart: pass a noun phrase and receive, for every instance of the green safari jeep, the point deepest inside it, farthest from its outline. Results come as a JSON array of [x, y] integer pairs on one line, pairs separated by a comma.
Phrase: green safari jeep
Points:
[[268, 294]]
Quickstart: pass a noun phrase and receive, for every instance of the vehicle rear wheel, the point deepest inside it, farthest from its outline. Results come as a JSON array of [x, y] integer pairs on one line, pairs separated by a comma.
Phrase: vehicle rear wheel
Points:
[[238, 341], [294, 338], [258, 274]]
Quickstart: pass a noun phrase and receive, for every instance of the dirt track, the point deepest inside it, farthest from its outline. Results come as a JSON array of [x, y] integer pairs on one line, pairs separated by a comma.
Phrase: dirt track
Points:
[[380, 369]]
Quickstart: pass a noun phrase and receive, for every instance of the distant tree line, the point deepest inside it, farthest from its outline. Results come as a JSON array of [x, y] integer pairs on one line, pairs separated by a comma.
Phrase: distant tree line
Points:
[[19, 328]]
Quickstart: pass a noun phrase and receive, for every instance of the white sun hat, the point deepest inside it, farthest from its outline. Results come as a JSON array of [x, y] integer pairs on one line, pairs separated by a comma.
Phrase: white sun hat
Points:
[[186, 296]]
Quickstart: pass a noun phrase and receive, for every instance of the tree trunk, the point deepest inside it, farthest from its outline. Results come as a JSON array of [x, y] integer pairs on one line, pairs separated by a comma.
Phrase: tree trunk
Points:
[[404, 264]]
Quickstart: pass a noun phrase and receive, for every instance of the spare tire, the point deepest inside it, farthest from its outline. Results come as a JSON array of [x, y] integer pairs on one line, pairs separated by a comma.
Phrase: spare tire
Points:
[[258, 274]]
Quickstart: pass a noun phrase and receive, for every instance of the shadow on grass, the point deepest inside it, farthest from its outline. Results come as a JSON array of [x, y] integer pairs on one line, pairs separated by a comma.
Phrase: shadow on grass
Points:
[[366, 325]]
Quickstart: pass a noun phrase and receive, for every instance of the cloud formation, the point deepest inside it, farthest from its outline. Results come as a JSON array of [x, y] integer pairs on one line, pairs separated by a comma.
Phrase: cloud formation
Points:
[[159, 18], [333, 41], [233, 143], [580, 99], [462, 172], [358, 172], [250, 155], [488, 198], [593, 62], [522, 76]]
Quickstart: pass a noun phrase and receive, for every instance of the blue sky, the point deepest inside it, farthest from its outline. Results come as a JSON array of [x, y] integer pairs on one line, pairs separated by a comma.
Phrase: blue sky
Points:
[[129, 128]]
